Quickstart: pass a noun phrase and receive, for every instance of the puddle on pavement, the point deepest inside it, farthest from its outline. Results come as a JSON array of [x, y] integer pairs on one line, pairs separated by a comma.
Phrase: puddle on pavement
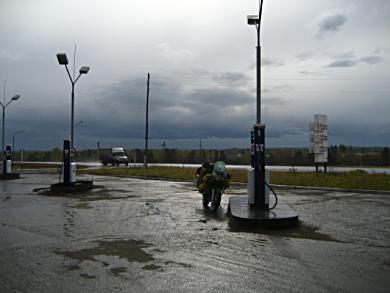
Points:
[[151, 267], [118, 270], [82, 205], [132, 250], [73, 267], [86, 276], [128, 249], [182, 264], [98, 193], [303, 231]]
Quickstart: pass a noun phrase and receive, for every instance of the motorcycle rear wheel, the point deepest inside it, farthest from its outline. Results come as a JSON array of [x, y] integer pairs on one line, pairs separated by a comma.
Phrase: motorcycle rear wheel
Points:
[[216, 200]]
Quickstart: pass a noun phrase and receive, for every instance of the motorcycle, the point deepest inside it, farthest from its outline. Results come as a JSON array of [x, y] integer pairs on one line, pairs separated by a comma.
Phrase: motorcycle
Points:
[[212, 180]]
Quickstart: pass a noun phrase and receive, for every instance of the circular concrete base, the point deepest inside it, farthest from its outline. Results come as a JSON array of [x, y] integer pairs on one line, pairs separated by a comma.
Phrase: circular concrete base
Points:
[[9, 176], [282, 216], [78, 186]]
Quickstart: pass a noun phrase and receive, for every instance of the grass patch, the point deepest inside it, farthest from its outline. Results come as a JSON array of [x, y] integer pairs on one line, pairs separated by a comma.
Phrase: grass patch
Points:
[[58, 166], [348, 180], [170, 173]]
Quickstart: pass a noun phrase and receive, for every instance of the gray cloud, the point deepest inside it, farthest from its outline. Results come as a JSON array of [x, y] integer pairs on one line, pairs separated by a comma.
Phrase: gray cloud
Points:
[[350, 61], [271, 62], [331, 23], [8, 56], [305, 56], [371, 60], [342, 63], [312, 73]]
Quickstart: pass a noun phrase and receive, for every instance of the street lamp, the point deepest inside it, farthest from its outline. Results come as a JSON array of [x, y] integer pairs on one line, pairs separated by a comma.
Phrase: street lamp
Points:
[[13, 139], [255, 20], [14, 98], [63, 60]]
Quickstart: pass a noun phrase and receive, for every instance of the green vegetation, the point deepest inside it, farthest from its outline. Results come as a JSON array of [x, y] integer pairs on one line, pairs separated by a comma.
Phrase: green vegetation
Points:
[[351, 180]]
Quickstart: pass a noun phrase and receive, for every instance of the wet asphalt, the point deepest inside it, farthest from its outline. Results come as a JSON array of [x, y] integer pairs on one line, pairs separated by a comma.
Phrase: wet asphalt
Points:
[[135, 235]]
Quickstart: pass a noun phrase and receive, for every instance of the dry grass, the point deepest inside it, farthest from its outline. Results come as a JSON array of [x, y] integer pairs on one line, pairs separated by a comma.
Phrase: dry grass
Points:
[[351, 180]]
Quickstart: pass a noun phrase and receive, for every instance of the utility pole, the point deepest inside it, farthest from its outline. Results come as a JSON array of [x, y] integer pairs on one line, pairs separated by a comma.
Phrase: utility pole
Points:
[[2, 140], [200, 150], [146, 124], [98, 151]]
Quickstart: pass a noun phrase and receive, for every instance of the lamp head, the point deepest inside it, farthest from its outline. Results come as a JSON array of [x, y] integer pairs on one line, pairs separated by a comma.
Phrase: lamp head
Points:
[[84, 69], [15, 97], [62, 59], [253, 19]]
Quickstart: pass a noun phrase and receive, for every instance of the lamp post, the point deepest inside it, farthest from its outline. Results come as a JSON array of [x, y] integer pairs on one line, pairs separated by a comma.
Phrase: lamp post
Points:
[[13, 141], [63, 60], [256, 208], [4, 105], [256, 20], [258, 131]]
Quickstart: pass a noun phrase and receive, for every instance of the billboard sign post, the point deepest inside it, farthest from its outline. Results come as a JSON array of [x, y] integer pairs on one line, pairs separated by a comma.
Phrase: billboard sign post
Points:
[[319, 140]]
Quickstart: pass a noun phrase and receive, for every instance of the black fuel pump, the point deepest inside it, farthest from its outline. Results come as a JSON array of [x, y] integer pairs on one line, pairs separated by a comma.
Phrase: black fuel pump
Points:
[[258, 163], [7, 160], [67, 160]]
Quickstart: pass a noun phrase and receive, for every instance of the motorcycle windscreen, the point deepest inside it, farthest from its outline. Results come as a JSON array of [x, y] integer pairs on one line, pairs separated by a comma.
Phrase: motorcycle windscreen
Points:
[[219, 168]]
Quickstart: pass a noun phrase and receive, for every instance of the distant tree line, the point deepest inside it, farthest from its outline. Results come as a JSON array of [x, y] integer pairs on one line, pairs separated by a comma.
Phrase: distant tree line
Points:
[[337, 156]]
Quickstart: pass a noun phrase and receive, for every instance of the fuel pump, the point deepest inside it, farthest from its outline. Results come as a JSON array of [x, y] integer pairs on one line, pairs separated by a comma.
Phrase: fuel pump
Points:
[[7, 163], [69, 167], [258, 195]]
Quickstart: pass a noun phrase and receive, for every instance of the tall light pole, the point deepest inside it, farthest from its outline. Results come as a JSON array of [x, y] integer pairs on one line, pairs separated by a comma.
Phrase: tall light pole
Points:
[[256, 21], [4, 105], [258, 131], [256, 208], [13, 139], [63, 60]]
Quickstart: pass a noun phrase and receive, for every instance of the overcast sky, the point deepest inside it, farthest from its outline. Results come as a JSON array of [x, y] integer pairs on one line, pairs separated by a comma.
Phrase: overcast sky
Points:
[[324, 56]]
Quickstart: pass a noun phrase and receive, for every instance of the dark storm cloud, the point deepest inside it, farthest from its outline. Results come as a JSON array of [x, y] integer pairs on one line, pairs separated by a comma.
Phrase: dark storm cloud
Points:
[[331, 23], [217, 106], [280, 132], [221, 105]]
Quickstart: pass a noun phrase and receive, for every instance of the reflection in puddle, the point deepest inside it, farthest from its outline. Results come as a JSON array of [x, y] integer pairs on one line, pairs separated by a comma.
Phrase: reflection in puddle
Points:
[[303, 231]]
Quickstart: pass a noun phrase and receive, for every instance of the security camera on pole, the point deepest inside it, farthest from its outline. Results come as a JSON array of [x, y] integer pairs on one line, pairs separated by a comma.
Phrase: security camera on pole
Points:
[[256, 208]]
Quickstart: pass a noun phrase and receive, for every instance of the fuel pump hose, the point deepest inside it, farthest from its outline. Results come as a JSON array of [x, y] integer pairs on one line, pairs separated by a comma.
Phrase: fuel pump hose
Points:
[[276, 197]]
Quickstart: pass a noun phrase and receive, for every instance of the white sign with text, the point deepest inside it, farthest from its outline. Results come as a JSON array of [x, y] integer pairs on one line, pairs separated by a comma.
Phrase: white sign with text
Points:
[[319, 138]]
